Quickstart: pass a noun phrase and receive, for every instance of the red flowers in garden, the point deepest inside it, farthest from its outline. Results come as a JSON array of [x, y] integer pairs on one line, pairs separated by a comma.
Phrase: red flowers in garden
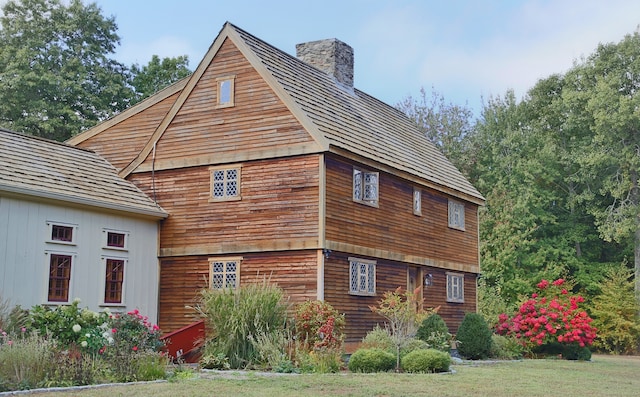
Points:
[[549, 316]]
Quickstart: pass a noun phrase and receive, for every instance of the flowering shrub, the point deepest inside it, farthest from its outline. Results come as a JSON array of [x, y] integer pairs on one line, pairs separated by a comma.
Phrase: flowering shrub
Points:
[[550, 316], [319, 325]]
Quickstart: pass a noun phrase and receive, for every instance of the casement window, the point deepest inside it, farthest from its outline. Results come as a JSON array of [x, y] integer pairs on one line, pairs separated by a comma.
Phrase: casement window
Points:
[[61, 233], [59, 277], [114, 239], [225, 91], [417, 202], [225, 183], [362, 277], [456, 215], [455, 287], [114, 279], [365, 187], [224, 273]]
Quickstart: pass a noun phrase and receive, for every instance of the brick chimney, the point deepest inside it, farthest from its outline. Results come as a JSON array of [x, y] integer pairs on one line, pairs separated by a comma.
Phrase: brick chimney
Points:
[[332, 56]]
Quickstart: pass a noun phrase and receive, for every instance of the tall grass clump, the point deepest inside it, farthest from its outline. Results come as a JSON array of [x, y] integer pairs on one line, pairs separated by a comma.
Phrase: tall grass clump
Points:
[[235, 317], [26, 361]]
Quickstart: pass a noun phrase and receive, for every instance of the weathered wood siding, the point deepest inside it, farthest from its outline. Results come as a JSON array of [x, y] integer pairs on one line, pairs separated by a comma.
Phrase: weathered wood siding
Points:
[[278, 209], [392, 226], [259, 121], [182, 278], [389, 276], [122, 142]]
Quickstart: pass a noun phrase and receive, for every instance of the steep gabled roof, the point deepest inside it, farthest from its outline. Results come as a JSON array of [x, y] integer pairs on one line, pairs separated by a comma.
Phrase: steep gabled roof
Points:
[[55, 171], [340, 119]]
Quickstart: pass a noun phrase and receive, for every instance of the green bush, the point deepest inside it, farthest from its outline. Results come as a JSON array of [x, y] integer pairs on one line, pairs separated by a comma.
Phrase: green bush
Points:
[[412, 344], [378, 338], [615, 313], [233, 316], [435, 332], [574, 351], [474, 337], [426, 360], [505, 348], [372, 360]]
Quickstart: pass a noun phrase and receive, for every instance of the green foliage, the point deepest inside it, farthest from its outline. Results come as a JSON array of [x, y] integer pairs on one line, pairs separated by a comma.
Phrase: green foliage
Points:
[[505, 348], [574, 351], [232, 316], [26, 360], [435, 332], [615, 313], [378, 338], [67, 324], [371, 360], [426, 360], [158, 74], [474, 337], [412, 344], [275, 349]]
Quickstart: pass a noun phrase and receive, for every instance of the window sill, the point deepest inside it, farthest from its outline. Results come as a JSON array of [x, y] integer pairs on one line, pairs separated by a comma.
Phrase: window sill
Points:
[[362, 293]]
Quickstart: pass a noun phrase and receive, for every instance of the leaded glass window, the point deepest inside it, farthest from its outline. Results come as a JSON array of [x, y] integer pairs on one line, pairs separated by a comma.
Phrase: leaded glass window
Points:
[[225, 184], [365, 187], [362, 277], [224, 273]]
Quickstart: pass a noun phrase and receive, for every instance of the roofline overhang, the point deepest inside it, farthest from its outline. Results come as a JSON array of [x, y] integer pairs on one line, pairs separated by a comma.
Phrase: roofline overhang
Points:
[[81, 201]]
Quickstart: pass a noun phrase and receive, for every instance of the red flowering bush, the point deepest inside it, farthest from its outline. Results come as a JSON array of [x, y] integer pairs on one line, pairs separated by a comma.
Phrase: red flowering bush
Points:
[[549, 316], [319, 325]]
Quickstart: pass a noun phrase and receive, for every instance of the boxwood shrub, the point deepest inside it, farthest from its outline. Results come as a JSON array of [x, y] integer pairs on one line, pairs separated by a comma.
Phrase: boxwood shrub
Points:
[[426, 360], [371, 360], [474, 336]]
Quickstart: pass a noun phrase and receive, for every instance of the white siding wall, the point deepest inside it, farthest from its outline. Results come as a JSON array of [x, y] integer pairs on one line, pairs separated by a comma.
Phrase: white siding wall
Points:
[[24, 266]]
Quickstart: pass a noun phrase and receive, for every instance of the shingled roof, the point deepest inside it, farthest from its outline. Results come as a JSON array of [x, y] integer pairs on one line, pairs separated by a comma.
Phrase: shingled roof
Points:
[[56, 171], [341, 119]]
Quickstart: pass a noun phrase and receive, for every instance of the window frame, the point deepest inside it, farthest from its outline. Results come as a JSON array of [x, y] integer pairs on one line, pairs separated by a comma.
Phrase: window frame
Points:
[[105, 240], [359, 188], [219, 91], [226, 260], [50, 255], [106, 281], [455, 289], [417, 201], [369, 278], [51, 225], [456, 216], [212, 181]]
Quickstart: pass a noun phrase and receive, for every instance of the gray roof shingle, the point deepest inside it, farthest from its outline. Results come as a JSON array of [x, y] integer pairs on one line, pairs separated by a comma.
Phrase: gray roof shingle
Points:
[[57, 171]]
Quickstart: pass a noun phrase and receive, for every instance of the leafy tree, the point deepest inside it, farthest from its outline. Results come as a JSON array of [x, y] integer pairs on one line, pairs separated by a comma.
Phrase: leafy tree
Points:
[[444, 123], [158, 74], [56, 76]]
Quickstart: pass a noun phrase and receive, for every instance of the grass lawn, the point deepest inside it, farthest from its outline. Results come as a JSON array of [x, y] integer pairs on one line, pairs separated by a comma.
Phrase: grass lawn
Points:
[[603, 376]]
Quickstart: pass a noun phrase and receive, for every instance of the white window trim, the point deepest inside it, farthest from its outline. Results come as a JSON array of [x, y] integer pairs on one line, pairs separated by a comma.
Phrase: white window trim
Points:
[[104, 281], [360, 173], [417, 201], [231, 103], [370, 290], [456, 216], [236, 259], [47, 269], [452, 291], [238, 196], [74, 233], [105, 240]]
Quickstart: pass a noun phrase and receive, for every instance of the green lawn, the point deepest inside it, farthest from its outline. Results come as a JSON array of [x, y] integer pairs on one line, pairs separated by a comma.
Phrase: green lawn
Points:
[[603, 376]]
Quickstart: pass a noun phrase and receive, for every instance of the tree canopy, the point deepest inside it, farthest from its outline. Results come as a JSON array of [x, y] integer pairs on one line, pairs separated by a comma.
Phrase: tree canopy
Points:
[[57, 72]]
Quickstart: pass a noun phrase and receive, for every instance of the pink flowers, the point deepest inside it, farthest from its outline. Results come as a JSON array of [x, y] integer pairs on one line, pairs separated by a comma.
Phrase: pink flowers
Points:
[[552, 317]]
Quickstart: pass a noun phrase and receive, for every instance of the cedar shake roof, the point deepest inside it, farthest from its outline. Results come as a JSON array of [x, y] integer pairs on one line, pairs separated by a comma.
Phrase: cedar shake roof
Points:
[[341, 119], [56, 171]]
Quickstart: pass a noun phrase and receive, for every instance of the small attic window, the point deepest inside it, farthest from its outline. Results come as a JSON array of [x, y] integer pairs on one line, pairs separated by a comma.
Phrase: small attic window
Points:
[[226, 88]]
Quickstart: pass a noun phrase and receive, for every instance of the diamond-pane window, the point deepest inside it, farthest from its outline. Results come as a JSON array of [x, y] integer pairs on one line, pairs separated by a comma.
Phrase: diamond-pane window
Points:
[[225, 184], [224, 273], [456, 215], [362, 277], [365, 187]]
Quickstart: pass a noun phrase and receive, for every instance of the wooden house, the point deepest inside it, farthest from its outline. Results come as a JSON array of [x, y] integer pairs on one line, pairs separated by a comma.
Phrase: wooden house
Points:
[[71, 228], [271, 165]]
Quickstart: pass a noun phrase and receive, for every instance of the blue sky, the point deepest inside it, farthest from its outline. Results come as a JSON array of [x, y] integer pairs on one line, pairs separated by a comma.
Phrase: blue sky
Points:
[[466, 50]]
